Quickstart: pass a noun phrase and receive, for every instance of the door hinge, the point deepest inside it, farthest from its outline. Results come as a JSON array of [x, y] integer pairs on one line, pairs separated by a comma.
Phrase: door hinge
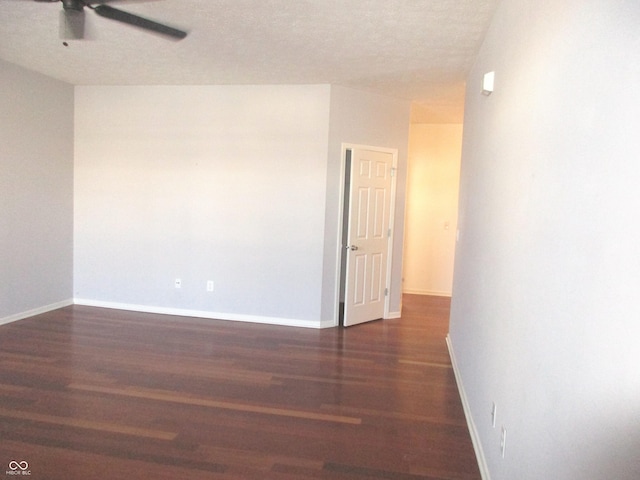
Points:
[[386, 292], [389, 233], [393, 171]]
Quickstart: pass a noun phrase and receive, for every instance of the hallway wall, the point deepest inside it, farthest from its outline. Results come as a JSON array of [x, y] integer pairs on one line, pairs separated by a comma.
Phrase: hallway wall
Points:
[[544, 316], [432, 208]]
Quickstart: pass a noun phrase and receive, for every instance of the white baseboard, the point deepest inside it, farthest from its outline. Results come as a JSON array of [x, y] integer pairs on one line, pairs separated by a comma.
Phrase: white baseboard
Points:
[[289, 322], [434, 293], [35, 311], [393, 315], [475, 438]]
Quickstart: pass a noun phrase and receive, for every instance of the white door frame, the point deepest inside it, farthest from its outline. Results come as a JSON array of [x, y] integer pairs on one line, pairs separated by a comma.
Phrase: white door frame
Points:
[[392, 211]]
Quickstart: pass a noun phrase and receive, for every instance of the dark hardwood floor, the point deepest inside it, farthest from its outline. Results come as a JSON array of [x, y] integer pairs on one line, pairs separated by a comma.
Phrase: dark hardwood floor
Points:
[[89, 393]]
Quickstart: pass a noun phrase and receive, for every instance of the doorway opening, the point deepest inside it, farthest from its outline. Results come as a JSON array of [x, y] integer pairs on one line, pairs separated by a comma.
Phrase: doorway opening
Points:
[[346, 186]]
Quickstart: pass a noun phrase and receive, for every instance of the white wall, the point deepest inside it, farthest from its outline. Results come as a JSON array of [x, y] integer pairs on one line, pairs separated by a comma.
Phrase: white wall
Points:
[[545, 317], [432, 208], [222, 183], [235, 184], [365, 119], [36, 192]]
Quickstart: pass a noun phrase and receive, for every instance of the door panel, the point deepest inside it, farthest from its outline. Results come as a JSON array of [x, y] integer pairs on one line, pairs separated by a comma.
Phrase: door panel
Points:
[[379, 213], [368, 240], [363, 213], [377, 284]]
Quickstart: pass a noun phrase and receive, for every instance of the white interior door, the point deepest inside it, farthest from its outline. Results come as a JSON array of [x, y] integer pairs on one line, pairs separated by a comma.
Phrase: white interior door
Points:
[[368, 237]]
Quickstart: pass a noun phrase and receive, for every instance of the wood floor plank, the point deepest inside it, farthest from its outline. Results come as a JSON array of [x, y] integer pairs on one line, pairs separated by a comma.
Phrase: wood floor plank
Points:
[[424, 364], [88, 424], [203, 402]]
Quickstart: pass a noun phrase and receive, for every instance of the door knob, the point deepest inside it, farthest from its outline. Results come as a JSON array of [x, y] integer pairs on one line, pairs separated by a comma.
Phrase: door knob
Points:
[[352, 247]]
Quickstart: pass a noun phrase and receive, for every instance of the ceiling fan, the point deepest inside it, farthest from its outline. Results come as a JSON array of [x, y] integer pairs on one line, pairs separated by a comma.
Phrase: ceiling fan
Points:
[[72, 18]]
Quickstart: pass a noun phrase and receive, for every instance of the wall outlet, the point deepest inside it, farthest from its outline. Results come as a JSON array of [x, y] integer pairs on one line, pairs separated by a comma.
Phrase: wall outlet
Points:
[[210, 286], [503, 441], [494, 412], [178, 283]]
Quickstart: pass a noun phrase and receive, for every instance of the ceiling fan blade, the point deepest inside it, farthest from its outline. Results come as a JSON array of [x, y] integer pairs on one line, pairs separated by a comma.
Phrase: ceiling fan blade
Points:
[[135, 20], [71, 25]]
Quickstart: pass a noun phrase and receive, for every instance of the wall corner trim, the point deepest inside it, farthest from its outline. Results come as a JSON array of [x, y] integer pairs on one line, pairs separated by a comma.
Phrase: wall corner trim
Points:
[[36, 311], [475, 439]]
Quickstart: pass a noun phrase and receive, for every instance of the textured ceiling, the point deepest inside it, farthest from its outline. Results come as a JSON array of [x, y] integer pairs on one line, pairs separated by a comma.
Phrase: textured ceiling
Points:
[[420, 50]]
